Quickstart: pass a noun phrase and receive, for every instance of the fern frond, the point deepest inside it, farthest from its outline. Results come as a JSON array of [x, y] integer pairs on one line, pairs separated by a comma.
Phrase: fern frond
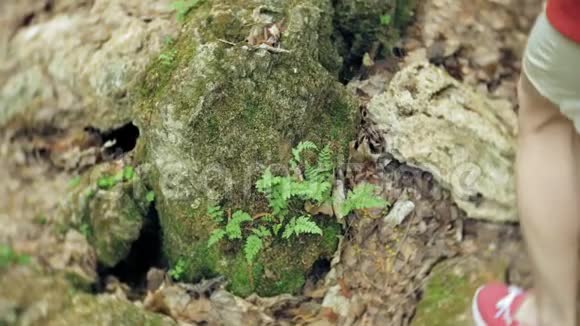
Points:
[[266, 182], [306, 225], [183, 7], [216, 213], [215, 237], [289, 230], [317, 191], [301, 225], [262, 232], [252, 247], [323, 170], [281, 193], [361, 197], [276, 228], [324, 161], [233, 228], [302, 146]]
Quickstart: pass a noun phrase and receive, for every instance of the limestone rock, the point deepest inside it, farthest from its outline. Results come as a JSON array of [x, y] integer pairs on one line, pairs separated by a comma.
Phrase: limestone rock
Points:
[[110, 218], [76, 258], [400, 210], [116, 221], [217, 114], [77, 58], [464, 138], [31, 297]]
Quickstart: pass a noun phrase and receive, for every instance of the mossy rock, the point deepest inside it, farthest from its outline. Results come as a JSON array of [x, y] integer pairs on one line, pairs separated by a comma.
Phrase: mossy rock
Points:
[[448, 293], [30, 296], [111, 218], [213, 117]]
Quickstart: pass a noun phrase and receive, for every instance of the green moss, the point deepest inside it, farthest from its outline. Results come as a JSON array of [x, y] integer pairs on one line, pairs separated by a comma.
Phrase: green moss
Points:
[[212, 122], [289, 281], [243, 277], [109, 217], [115, 223], [450, 288], [330, 237]]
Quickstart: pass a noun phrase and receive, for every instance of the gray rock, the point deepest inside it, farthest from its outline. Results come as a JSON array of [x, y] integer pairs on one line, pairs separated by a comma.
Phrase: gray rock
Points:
[[78, 61], [32, 297], [111, 219], [400, 210], [464, 138]]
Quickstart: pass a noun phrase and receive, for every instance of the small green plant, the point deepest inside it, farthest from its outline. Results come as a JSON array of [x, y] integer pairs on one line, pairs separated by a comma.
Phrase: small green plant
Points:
[[309, 181], [85, 229], [74, 181], [9, 257], [168, 40], [183, 7], [168, 57], [361, 197], [40, 219], [385, 19], [150, 196], [176, 272], [108, 182]]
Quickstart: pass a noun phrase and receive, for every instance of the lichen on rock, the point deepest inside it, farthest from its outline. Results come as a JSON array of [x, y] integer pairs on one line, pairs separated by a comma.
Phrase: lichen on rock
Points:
[[111, 219], [220, 112], [464, 138]]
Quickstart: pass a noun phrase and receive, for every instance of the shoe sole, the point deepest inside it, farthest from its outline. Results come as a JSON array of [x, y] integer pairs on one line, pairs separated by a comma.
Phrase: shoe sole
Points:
[[475, 311]]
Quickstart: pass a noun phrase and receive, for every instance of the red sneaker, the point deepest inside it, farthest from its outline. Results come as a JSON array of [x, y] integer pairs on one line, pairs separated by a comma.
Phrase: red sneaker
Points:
[[495, 304]]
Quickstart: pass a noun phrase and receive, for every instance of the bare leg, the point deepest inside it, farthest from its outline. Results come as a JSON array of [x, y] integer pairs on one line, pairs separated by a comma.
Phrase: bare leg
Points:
[[548, 183]]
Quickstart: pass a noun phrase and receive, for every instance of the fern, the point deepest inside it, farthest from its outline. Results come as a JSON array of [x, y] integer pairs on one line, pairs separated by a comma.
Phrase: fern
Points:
[[276, 228], [177, 271], [233, 228], [252, 247], [361, 197], [167, 58], [183, 7], [262, 232], [215, 213], [277, 189], [317, 191], [324, 167], [301, 225], [286, 195], [297, 152], [215, 237], [266, 182]]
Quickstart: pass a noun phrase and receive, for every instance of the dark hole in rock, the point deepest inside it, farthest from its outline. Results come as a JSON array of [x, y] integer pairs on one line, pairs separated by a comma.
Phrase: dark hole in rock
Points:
[[319, 269], [145, 254], [48, 6], [399, 52], [27, 20], [122, 139]]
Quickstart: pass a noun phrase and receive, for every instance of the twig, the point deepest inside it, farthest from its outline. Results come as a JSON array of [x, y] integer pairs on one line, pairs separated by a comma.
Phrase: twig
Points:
[[259, 215], [226, 42], [271, 48]]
